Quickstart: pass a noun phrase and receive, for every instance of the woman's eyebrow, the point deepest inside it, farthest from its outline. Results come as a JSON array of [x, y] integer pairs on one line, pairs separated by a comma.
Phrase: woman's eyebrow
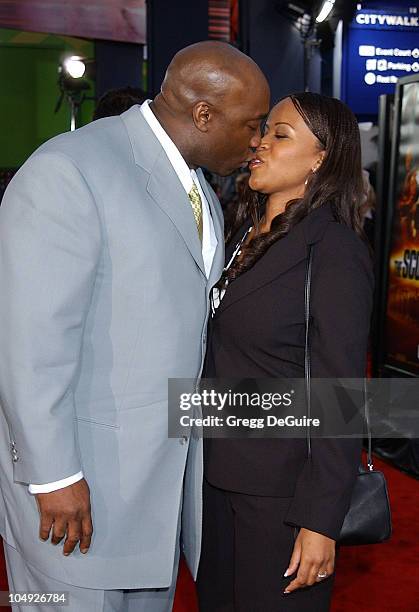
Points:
[[284, 123]]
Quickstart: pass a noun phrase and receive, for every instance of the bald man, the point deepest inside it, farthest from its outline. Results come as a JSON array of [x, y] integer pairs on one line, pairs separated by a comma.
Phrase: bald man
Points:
[[110, 241]]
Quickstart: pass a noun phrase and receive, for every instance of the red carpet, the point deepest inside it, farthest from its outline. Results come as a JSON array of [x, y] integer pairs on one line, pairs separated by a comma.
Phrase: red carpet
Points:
[[381, 578], [385, 577]]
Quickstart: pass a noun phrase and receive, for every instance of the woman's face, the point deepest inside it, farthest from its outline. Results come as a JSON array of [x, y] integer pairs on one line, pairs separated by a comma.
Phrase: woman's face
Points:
[[287, 155]]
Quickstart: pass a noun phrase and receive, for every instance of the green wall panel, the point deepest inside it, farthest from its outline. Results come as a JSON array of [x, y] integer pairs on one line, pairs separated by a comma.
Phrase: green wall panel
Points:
[[29, 91]]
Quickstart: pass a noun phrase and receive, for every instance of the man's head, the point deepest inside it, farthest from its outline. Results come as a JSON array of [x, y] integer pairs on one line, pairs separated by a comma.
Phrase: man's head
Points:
[[212, 101], [116, 101]]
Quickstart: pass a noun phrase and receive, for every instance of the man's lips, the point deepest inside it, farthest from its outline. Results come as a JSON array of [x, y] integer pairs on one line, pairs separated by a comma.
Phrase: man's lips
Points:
[[245, 162], [255, 163]]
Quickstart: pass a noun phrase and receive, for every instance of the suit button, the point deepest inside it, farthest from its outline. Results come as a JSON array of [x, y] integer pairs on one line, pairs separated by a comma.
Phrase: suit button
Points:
[[13, 451], [183, 440]]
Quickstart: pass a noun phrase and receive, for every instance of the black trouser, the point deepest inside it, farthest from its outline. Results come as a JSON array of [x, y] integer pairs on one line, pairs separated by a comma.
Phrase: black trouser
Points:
[[246, 549]]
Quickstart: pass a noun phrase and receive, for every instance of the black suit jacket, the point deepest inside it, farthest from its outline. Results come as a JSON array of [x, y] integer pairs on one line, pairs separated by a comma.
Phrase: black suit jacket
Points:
[[258, 331]]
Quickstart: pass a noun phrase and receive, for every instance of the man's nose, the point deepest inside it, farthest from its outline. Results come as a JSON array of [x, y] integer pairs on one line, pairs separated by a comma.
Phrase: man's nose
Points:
[[255, 141]]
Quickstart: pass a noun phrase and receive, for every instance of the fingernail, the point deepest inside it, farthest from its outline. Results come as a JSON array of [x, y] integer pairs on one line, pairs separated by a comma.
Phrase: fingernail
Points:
[[66, 554], [287, 592], [84, 550], [287, 573]]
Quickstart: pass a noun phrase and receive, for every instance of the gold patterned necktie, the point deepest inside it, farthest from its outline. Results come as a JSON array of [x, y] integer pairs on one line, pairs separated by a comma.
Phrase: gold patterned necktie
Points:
[[196, 203]]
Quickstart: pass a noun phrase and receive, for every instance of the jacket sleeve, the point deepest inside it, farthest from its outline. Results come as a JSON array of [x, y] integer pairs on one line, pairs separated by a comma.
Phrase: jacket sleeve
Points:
[[341, 304], [50, 243]]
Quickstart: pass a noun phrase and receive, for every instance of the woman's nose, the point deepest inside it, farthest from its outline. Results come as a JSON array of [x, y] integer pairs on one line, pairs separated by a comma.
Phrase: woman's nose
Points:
[[263, 145]]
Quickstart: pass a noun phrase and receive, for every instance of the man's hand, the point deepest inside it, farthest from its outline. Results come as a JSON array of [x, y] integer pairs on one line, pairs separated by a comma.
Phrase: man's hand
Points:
[[313, 554], [67, 512]]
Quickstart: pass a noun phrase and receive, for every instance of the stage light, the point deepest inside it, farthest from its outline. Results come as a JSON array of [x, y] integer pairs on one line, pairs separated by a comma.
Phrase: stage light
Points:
[[74, 66], [73, 74], [325, 10]]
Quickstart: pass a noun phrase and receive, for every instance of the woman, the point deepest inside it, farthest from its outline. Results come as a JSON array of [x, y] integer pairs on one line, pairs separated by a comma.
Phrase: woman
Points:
[[271, 516]]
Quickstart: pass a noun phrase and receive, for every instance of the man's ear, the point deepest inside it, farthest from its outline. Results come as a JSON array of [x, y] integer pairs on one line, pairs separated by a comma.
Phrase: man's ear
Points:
[[202, 115]]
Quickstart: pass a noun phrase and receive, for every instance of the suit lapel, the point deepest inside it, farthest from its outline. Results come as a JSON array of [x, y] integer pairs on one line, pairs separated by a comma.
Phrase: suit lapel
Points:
[[168, 193], [282, 256], [163, 185]]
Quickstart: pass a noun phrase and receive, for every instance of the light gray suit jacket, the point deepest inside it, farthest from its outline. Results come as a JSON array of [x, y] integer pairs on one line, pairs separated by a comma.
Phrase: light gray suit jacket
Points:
[[103, 298]]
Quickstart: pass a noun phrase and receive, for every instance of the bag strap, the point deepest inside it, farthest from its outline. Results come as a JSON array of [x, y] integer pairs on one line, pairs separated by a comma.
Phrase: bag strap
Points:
[[307, 362], [307, 365], [368, 423]]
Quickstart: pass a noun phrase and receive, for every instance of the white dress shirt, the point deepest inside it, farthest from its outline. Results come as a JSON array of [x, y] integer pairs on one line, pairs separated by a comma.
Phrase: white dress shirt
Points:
[[188, 178]]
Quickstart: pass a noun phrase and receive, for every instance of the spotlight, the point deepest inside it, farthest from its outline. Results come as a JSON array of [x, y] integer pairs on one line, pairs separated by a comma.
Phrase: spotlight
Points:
[[73, 83], [325, 10], [74, 66]]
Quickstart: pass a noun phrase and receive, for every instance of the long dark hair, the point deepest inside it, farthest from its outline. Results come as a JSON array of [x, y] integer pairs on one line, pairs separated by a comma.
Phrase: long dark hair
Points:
[[338, 181]]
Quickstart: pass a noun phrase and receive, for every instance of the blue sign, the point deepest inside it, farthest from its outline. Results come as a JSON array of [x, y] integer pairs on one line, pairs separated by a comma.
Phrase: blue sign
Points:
[[380, 46]]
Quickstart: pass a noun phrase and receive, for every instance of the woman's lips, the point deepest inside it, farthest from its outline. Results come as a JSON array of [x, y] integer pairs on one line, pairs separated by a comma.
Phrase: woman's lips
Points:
[[255, 163]]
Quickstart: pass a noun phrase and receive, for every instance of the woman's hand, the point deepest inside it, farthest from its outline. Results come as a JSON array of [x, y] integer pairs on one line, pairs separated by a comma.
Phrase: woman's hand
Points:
[[313, 554]]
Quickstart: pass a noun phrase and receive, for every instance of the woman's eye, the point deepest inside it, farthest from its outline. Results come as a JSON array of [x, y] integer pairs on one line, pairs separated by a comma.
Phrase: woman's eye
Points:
[[280, 136]]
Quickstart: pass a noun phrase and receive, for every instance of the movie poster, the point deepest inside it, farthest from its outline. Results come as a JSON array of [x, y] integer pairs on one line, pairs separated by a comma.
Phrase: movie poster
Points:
[[402, 321]]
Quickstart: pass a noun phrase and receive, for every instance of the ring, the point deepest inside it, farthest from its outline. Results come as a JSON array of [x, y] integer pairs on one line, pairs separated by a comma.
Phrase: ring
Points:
[[322, 575]]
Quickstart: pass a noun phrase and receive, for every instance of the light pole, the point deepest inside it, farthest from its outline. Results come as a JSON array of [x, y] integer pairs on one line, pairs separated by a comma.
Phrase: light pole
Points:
[[73, 85]]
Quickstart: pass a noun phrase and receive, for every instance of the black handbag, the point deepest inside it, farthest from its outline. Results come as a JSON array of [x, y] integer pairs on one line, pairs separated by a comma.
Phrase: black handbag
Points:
[[368, 520]]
